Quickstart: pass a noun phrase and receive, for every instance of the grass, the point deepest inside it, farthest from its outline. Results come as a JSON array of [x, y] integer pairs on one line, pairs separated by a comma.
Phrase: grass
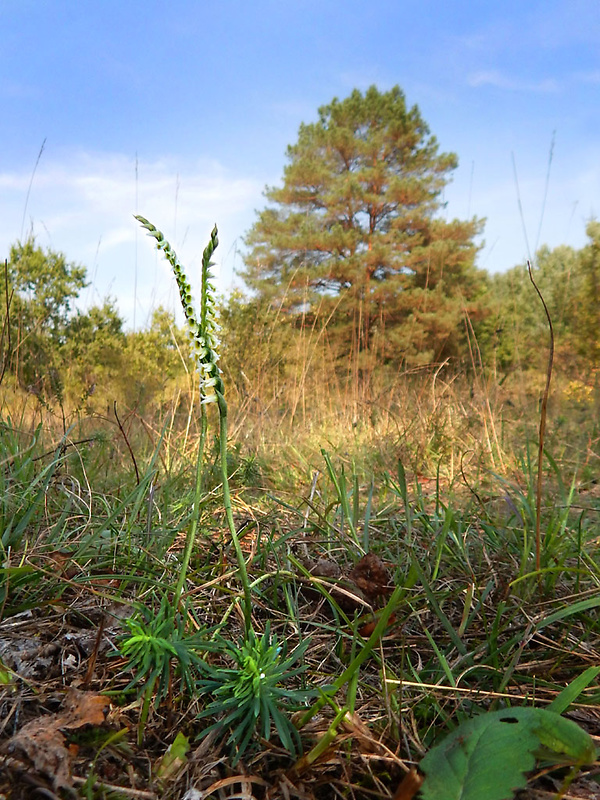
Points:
[[474, 625], [307, 622]]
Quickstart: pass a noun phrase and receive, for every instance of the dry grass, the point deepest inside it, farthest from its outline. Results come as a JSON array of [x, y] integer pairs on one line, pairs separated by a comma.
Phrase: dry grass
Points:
[[474, 628]]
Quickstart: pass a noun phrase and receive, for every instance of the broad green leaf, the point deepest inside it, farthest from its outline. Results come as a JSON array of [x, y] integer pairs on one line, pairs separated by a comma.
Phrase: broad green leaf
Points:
[[488, 756]]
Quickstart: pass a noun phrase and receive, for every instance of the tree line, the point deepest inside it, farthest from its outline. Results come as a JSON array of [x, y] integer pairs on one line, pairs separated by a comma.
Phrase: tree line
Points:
[[351, 271]]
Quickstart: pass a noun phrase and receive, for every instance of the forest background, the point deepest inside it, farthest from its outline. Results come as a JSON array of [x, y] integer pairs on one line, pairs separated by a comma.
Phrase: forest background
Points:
[[366, 323], [379, 411]]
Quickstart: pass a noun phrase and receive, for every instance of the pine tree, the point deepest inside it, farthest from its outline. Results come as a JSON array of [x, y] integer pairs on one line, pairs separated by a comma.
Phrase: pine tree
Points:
[[354, 234]]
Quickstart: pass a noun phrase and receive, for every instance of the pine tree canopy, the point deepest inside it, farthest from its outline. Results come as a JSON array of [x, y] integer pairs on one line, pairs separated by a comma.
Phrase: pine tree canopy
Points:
[[354, 233]]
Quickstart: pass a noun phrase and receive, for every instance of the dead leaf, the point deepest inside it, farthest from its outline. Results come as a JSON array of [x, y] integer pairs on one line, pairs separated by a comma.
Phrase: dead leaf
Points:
[[410, 785], [82, 708], [372, 577], [42, 742], [43, 745], [369, 625], [353, 725], [325, 568]]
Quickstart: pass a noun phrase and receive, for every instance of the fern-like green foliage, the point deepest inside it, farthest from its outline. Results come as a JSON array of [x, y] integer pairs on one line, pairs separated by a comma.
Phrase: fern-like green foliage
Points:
[[156, 640], [202, 332], [248, 698]]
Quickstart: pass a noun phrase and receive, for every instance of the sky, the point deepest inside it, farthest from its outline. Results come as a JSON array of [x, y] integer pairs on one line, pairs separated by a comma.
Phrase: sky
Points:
[[182, 111]]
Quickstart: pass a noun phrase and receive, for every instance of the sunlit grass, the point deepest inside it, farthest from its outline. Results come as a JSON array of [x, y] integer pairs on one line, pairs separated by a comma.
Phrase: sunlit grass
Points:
[[437, 486]]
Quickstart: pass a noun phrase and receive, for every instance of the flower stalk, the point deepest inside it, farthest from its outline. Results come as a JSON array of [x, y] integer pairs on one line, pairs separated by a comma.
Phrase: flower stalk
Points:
[[203, 334]]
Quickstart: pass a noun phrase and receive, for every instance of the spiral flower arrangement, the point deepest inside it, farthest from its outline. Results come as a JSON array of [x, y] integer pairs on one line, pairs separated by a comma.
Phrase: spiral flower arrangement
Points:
[[203, 333]]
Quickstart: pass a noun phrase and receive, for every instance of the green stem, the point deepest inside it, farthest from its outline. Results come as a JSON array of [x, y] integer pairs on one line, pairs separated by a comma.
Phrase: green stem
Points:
[[145, 710], [191, 534], [229, 514], [357, 661], [326, 740]]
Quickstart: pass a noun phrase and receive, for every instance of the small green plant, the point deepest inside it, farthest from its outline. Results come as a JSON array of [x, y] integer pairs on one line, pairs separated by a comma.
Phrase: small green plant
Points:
[[248, 696], [156, 641], [204, 343]]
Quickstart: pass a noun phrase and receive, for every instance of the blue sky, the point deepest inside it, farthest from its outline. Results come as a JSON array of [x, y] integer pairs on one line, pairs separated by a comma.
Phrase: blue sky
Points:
[[182, 111]]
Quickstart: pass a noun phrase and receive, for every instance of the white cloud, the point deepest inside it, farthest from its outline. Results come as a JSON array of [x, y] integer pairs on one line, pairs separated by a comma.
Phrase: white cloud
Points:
[[587, 77], [83, 205], [500, 81]]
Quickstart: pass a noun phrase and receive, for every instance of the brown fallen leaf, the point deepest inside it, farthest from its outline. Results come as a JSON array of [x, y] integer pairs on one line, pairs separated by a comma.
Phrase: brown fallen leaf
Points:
[[43, 745], [372, 577], [42, 742], [369, 625], [353, 725], [325, 568], [82, 708], [409, 786]]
